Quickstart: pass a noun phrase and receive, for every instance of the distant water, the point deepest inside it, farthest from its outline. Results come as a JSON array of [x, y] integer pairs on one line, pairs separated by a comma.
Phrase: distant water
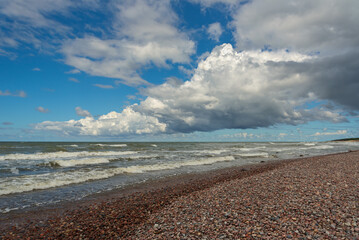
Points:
[[34, 174]]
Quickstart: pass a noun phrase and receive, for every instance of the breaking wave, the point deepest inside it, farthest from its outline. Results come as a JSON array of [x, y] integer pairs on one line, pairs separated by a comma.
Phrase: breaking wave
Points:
[[62, 155], [57, 179]]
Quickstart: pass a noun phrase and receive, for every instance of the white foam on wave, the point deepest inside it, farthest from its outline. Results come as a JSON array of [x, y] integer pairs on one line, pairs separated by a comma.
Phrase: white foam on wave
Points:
[[255, 154], [14, 170], [141, 156], [309, 144], [49, 180], [117, 145], [68, 145], [322, 147], [206, 152], [174, 165], [252, 148], [6, 210], [56, 179], [109, 145], [61, 155], [80, 161]]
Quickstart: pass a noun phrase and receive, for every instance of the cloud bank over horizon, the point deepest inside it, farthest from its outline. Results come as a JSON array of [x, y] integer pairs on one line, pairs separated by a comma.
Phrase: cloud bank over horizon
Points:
[[228, 90]]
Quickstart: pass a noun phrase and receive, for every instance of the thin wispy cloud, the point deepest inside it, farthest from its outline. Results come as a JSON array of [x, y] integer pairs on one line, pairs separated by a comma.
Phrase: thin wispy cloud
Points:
[[131, 97], [103, 86], [74, 80], [73, 71], [82, 112], [13, 94], [7, 123], [36, 69], [30, 19], [339, 132]]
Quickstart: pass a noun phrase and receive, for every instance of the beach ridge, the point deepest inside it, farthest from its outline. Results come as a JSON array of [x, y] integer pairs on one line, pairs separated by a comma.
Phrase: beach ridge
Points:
[[239, 202]]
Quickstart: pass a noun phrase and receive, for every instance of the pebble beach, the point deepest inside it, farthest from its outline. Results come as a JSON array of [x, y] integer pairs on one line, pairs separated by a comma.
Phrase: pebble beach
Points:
[[308, 198]]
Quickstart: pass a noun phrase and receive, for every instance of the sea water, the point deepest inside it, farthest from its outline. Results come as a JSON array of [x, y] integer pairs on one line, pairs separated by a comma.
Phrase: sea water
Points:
[[40, 173]]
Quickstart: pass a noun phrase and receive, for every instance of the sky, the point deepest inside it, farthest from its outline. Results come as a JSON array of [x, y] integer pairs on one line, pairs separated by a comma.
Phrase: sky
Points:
[[179, 70]]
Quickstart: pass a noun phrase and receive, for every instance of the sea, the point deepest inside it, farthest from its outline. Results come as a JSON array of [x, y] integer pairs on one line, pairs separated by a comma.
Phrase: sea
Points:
[[35, 174]]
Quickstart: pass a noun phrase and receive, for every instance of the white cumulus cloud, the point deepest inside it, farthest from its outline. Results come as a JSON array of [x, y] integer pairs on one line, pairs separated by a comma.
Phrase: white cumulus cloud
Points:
[[111, 124], [233, 89], [145, 33]]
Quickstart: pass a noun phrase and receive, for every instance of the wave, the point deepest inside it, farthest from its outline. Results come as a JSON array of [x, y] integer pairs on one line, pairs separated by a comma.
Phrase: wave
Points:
[[167, 166], [14, 170], [252, 148], [6, 210], [68, 145], [7, 146], [255, 154], [109, 145], [148, 156], [76, 162], [7, 170], [49, 180], [62, 155], [347, 143], [323, 147], [201, 152]]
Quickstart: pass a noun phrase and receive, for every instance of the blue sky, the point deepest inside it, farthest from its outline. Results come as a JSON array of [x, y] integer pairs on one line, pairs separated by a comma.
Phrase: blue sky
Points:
[[191, 70]]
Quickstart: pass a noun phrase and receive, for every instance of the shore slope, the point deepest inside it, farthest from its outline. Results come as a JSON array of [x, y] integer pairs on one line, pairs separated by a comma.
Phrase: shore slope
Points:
[[309, 198]]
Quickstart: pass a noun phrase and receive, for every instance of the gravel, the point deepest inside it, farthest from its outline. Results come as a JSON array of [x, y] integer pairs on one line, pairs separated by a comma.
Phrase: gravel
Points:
[[316, 198]]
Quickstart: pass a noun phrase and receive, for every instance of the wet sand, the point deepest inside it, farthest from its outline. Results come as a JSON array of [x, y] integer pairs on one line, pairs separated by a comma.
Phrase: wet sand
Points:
[[307, 198]]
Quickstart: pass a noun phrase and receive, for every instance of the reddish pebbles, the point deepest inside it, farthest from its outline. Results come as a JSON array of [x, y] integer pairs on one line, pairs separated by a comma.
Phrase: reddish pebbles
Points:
[[307, 198], [316, 198]]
